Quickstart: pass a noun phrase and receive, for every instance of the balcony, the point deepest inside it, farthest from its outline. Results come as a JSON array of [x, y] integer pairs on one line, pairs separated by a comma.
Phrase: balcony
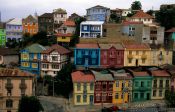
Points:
[[22, 86], [9, 86]]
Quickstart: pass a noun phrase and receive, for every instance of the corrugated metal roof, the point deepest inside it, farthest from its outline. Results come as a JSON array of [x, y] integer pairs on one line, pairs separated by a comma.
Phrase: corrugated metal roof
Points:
[[101, 76], [35, 48]]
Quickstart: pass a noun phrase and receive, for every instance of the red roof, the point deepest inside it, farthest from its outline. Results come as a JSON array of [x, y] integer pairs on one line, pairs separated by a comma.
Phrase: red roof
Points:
[[64, 35], [171, 30], [95, 46], [136, 46], [131, 22], [57, 48], [79, 76], [69, 23], [160, 73], [141, 14], [5, 72], [140, 74]]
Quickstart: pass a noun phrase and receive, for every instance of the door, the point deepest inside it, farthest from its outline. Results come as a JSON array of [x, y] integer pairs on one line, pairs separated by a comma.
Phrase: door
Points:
[[91, 99], [86, 61], [136, 62], [148, 96]]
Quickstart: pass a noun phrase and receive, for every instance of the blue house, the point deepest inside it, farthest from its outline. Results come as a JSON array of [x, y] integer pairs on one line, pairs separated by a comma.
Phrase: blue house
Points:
[[31, 58], [91, 29], [87, 55], [98, 13]]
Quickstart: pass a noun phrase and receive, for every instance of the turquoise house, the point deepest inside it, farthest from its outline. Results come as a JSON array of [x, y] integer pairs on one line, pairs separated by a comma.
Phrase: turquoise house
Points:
[[142, 85], [2, 37], [31, 58]]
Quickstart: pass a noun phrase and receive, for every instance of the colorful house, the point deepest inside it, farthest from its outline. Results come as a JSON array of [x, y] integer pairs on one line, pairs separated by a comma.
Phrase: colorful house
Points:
[[30, 25], [142, 85], [83, 88], [91, 29], [122, 87], [31, 58], [87, 55], [98, 13], [2, 37], [137, 54], [53, 59], [112, 55], [103, 86], [160, 83]]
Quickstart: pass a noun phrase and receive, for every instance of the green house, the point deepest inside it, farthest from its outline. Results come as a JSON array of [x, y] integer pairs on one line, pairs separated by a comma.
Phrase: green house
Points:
[[2, 37], [142, 86]]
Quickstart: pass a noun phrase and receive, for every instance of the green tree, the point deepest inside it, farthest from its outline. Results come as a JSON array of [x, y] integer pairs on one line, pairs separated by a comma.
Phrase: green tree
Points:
[[77, 23], [114, 18], [29, 104], [170, 98], [136, 5], [150, 12]]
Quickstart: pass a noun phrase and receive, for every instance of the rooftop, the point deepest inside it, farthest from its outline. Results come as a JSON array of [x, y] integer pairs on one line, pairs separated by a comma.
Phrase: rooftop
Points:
[[108, 46], [47, 15], [84, 46], [136, 46], [99, 6], [15, 21], [80, 76], [125, 23], [160, 73], [35, 48], [141, 14], [120, 74], [60, 11], [171, 30], [69, 23], [28, 19], [102, 75]]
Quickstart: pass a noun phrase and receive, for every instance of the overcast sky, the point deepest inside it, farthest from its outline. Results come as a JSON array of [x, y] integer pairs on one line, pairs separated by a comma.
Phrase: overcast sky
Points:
[[22, 8]]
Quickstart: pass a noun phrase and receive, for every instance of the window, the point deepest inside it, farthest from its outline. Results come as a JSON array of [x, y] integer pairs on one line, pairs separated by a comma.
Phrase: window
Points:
[[9, 103], [54, 58], [44, 57], [104, 87], [0, 58], [25, 64], [130, 52], [93, 61], [130, 60], [63, 37], [155, 83], [98, 96], [116, 96], [25, 56], [78, 87], [3, 37], [78, 98], [137, 52], [142, 84], [55, 66], [84, 27], [161, 83], [167, 83], [142, 95], [122, 95], [143, 61], [34, 65], [45, 65], [136, 84], [117, 83], [160, 93], [84, 98], [55, 72], [91, 86], [135, 95], [148, 84], [154, 93]]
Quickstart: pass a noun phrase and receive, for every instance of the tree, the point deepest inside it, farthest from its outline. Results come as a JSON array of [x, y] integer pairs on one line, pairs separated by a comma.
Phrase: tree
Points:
[[136, 5], [77, 23], [170, 98], [29, 104], [114, 17], [150, 12]]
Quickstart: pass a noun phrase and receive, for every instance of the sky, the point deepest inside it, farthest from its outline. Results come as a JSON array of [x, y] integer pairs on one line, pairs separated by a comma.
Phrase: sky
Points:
[[22, 8]]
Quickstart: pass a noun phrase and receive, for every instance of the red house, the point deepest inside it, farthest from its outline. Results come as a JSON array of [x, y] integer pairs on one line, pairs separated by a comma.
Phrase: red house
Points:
[[112, 55], [103, 86]]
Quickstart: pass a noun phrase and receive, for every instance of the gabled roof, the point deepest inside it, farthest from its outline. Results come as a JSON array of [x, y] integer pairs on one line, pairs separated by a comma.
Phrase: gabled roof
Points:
[[35, 48], [101, 76], [69, 23], [141, 14], [160, 73], [99, 6], [136, 46], [58, 48], [90, 46], [47, 15], [60, 11], [79, 76], [171, 30], [8, 51], [15, 21], [29, 19], [108, 46]]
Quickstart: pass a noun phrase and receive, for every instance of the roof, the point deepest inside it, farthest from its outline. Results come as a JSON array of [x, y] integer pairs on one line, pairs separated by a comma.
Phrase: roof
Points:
[[6, 72], [35, 48], [57, 48], [8, 51], [64, 34], [84, 46], [69, 23], [125, 23], [171, 30], [101, 76], [108, 46], [141, 14], [136, 46], [47, 15], [140, 74], [15, 21], [160, 73], [120, 75], [99, 6], [92, 22], [29, 19], [79, 76], [60, 11]]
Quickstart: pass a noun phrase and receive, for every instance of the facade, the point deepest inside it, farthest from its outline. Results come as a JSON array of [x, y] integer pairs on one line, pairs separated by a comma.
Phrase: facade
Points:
[[83, 88], [98, 13], [103, 88], [8, 56], [142, 85], [45, 23], [169, 40], [87, 55], [141, 16], [60, 15], [137, 55], [91, 29], [2, 37], [14, 29], [31, 58], [112, 55], [14, 84], [30, 25], [122, 87], [53, 59]]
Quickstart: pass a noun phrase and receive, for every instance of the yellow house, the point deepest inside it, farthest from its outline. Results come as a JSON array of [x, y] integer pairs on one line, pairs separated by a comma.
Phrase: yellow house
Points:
[[83, 88], [137, 55], [160, 56], [122, 87]]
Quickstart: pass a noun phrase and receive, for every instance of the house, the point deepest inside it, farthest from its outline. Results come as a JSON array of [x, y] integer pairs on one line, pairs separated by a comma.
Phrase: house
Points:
[[141, 16], [122, 87], [14, 84], [91, 29], [136, 54], [14, 29], [31, 58], [170, 38], [117, 12], [160, 55], [87, 55], [98, 13], [83, 88], [2, 37], [8, 56], [53, 59], [142, 84], [160, 83], [74, 17], [111, 55], [103, 87], [45, 23], [60, 15], [30, 25]]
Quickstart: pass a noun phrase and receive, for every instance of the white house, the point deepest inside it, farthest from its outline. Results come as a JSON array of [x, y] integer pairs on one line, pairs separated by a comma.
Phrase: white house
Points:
[[59, 15]]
